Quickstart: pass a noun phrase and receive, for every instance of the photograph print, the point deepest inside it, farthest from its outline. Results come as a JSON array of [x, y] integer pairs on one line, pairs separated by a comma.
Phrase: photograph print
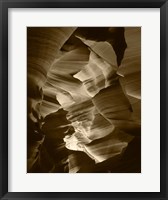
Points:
[[83, 100]]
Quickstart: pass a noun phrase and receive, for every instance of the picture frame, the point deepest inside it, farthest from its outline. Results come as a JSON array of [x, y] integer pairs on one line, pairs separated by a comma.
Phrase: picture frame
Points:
[[4, 109]]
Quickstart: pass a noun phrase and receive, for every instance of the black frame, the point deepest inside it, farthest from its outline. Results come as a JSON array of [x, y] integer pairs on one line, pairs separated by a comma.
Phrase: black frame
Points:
[[4, 5]]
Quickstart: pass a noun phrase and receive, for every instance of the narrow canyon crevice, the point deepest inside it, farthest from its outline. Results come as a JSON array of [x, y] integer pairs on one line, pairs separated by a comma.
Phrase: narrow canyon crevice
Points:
[[84, 100]]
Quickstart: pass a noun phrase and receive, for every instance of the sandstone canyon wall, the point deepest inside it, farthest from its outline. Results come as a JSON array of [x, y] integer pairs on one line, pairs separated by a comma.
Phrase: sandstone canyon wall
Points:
[[83, 99]]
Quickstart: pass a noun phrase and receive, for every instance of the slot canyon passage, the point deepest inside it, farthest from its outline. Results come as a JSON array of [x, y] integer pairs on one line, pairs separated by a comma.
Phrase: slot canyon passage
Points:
[[83, 99]]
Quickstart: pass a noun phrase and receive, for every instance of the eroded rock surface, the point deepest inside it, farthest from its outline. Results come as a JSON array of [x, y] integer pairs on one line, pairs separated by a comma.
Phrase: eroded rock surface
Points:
[[84, 99]]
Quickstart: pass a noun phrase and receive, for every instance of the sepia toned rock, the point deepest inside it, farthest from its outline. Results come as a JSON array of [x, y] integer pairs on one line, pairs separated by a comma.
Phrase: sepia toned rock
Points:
[[83, 99]]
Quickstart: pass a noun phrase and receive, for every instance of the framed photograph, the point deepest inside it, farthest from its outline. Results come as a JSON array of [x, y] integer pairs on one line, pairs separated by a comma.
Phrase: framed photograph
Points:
[[83, 99]]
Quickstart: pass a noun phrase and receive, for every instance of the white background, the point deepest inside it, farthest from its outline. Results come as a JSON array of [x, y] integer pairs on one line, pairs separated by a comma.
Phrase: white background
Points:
[[149, 179]]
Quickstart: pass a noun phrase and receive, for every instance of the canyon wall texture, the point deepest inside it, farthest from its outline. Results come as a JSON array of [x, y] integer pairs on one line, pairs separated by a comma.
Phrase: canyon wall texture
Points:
[[83, 99]]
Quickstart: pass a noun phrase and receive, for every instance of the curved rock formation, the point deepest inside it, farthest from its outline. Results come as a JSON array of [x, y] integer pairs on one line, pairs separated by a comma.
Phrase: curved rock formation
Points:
[[84, 107]]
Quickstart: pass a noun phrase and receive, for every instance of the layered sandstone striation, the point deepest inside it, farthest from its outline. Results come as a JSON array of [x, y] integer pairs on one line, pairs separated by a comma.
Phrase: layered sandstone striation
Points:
[[84, 99]]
